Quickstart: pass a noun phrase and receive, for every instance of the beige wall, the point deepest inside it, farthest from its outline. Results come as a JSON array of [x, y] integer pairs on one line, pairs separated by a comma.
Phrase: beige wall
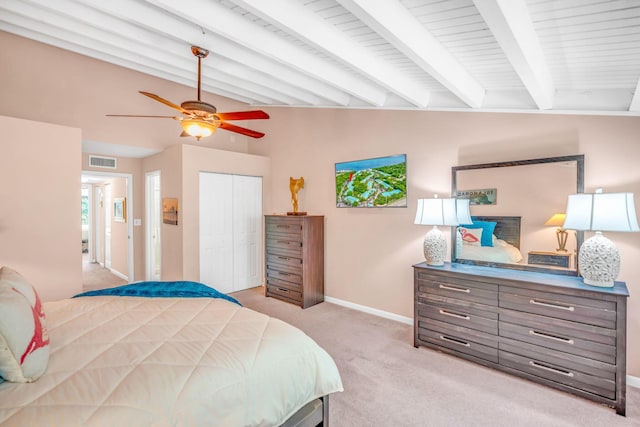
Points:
[[369, 252], [47, 84], [135, 209], [180, 168], [40, 230], [194, 161], [119, 230], [169, 163]]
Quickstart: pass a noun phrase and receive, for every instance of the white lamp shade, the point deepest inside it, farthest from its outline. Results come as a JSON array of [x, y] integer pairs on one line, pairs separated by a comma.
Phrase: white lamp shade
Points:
[[601, 212], [436, 212], [462, 211]]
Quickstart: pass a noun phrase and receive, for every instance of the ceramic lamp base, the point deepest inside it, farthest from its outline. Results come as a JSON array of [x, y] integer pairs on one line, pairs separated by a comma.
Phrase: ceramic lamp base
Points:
[[599, 261], [435, 247]]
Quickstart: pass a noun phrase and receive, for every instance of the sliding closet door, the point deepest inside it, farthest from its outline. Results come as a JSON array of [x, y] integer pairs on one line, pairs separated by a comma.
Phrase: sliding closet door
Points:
[[230, 231], [247, 232]]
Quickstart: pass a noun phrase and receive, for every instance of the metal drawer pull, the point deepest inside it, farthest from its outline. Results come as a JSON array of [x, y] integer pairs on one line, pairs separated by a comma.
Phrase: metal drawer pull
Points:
[[282, 226], [459, 316], [552, 305], [283, 258], [282, 273], [451, 288], [550, 369], [284, 242], [551, 337], [283, 290], [455, 341]]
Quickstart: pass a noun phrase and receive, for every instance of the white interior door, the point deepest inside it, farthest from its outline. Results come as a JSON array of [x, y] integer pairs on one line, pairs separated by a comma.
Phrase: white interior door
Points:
[[247, 232], [98, 254], [216, 231], [154, 222], [107, 226], [230, 231]]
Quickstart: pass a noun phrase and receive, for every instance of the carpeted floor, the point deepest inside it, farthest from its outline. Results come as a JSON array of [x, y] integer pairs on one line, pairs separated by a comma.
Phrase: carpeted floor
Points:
[[94, 276], [390, 383]]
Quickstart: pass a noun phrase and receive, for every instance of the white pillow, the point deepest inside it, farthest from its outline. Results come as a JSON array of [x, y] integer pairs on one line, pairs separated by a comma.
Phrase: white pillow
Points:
[[470, 236], [24, 342]]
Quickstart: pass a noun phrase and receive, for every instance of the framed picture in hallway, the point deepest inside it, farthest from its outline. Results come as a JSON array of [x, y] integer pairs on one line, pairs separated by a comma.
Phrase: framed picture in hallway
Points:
[[170, 211], [120, 209]]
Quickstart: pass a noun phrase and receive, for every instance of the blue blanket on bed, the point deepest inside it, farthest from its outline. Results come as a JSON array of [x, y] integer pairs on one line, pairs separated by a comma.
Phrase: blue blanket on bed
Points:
[[179, 289]]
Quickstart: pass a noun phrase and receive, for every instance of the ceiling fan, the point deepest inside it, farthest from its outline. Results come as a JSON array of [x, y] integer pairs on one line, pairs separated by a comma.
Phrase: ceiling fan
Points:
[[200, 119]]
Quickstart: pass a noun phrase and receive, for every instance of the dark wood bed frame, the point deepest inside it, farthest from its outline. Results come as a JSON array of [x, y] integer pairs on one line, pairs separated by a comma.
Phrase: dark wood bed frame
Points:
[[313, 414]]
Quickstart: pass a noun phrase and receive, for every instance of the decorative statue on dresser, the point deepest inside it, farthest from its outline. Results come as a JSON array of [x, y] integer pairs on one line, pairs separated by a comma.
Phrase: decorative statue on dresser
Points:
[[295, 185]]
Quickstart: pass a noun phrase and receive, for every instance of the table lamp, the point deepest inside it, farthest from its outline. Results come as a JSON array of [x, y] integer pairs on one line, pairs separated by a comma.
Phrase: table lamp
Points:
[[599, 259], [435, 212], [557, 220]]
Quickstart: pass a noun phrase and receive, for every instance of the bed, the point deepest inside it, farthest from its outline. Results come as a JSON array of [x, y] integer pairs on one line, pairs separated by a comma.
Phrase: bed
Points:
[[500, 246], [170, 359]]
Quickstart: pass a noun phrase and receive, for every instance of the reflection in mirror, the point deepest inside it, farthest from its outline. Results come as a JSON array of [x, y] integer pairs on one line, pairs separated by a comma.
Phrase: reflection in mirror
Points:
[[510, 204]]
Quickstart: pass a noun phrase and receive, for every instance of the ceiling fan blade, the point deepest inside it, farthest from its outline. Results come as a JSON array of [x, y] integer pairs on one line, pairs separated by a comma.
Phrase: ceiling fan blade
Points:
[[135, 115], [241, 130], [164, 101], [183, 134], [244, 115]]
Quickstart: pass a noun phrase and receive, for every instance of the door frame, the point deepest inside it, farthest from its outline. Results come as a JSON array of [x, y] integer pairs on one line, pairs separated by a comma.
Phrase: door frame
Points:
[[148, 226], [130, 219]]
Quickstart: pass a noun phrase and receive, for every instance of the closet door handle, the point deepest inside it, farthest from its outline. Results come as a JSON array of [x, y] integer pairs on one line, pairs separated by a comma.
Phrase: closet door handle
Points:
[[459, 316], [552, 305], [550, 369], [551, 337], [453, 288]]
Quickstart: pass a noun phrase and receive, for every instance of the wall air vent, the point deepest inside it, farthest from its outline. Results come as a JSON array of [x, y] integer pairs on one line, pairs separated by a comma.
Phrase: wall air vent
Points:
[[102, 162]]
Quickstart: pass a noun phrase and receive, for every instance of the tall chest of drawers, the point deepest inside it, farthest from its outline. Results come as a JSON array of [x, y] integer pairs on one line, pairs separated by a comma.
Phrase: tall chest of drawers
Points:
[[294, 248], [547, 328]]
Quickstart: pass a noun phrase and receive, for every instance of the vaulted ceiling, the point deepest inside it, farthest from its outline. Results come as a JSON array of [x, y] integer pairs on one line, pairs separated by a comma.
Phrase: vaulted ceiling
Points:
[[489, 55]]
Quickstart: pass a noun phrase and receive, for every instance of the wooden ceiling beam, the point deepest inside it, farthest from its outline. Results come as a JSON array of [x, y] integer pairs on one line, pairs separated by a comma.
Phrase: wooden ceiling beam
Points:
[[392, 21], [511, 25]]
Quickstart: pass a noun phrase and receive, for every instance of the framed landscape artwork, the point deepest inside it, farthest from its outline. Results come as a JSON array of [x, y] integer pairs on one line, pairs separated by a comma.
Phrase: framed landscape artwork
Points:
[[170, 211], [120, 209], [372, 183]]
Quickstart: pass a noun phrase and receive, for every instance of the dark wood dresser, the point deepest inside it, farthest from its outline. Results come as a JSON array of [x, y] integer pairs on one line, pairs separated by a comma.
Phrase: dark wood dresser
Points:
[[551, 329], [294, 248]]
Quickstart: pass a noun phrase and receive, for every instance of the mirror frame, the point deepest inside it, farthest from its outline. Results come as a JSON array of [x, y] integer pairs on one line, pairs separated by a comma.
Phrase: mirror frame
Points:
[[579, 159]]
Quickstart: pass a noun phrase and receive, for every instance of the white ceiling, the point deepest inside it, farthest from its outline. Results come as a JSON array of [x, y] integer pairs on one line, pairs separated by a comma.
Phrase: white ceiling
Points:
[[578, 56]]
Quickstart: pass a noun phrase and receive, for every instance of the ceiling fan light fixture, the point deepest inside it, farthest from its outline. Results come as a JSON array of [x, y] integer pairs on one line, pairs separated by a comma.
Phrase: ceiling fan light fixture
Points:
[[198, 128]]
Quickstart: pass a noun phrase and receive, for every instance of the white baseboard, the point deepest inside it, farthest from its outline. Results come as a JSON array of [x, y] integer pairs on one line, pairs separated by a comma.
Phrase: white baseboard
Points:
[[631, 381], [120, 275], [374, 311]]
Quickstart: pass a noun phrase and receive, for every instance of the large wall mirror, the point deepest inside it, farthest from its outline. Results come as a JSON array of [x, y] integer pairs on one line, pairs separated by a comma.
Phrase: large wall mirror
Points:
[[513, 204]]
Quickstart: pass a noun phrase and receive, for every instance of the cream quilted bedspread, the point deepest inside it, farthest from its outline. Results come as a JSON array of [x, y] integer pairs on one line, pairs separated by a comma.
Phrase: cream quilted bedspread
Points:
[[128, 361]]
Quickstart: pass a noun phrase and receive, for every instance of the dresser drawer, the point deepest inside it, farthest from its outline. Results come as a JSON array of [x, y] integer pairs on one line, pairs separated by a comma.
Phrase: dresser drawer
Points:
[[284, 263], [571, 337], [558, 339], [459, 339], [283, 275], [559, 374], [284, 227], [577, 309], [282, 292], [461, 290], [463, 316], [568, 361], [297, 287]]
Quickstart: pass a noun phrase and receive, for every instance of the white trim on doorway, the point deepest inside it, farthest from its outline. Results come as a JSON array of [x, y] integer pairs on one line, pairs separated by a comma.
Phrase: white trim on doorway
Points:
[[130, 203]]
